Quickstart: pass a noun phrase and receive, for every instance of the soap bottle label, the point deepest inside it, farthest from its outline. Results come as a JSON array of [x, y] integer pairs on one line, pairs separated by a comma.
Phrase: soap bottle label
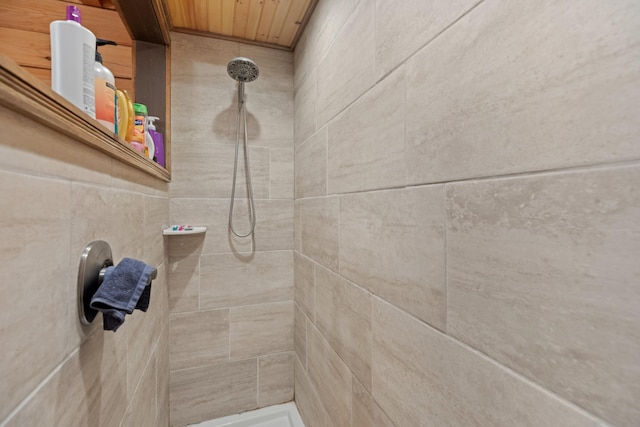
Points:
[[105, 97], [88, 88], [138, 129]]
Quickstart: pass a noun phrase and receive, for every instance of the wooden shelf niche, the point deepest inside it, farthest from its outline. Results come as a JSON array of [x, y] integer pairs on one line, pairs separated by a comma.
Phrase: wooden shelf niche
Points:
[[25, 40]]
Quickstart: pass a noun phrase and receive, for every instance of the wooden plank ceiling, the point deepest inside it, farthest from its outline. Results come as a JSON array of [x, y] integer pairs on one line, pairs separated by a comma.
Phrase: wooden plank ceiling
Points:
[[277, 23]]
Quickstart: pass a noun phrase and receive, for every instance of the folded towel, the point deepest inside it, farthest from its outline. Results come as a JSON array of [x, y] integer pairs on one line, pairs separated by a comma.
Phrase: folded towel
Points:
[[143, 302], [121, 290]]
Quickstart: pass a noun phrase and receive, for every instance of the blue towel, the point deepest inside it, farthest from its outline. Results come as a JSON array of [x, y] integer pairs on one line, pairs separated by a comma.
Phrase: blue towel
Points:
[[121, 291]]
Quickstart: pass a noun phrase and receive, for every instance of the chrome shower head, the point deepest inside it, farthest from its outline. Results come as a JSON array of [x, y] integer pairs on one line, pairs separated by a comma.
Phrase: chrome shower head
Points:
[[243, 69]]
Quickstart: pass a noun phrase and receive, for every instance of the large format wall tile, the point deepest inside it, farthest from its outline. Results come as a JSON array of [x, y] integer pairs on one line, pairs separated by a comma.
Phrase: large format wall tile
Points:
[[144, 402], [274, 226], [206, 170], [311, 166], [281, 173], [93, 382], [156, 218], [198, 338], [305, 109], [319, 234], [275, 378], [346, 72], [228, 280], [231, 386], [93, 210], [343, 316], [201, 57], [543, 277], [392, 243], [184, 283], [34, 213], [126, 178], [325, 24], [191, 121], [404, 27], [330, 376], [269, 116], [29, 147], [422, 377], [257, 330], [276, 68], [87, 389], [516, 87], [366, 145]]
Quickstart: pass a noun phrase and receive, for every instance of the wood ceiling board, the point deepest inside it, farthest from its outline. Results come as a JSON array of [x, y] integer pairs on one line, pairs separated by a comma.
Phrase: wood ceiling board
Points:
[[255, 14], [228, 10], [214, 16], [240, 18], [201, 15], [176, 10], [293, 23], [266, 20], [279, 19], [189, 13], [275, 23]]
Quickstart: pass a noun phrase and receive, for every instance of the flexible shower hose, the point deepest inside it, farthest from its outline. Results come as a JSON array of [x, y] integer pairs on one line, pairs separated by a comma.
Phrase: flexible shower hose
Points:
[[242, 117]]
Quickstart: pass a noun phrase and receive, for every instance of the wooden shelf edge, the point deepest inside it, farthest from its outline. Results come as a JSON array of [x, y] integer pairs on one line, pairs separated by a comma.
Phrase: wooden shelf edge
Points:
[[24, 93]]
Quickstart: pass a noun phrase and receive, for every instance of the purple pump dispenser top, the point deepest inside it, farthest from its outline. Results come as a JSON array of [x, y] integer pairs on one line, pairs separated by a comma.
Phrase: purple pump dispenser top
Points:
[[73, 14]]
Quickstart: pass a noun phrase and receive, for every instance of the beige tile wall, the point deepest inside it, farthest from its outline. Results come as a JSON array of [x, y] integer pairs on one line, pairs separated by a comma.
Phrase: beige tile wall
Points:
[[467, 214], [231, 299], [57, 196]]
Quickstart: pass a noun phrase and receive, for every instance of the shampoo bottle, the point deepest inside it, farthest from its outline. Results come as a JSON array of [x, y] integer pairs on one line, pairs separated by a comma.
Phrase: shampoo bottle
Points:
[[138, 140], [72, 61], [105, 90]]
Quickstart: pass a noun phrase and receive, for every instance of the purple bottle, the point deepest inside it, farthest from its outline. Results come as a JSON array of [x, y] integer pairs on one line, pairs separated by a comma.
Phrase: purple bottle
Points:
[[158, 141]]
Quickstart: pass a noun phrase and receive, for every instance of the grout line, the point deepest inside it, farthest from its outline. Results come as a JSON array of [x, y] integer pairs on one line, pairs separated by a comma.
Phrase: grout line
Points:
[[326, 168], [513, 175], [446, 265], [199, 282], [270, 177]]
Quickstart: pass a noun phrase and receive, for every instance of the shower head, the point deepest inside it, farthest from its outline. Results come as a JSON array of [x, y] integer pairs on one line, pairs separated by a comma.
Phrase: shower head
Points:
[[243, 69]]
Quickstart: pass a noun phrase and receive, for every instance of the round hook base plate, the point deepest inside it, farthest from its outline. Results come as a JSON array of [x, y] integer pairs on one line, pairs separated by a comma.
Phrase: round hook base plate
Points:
[[95, 257]]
